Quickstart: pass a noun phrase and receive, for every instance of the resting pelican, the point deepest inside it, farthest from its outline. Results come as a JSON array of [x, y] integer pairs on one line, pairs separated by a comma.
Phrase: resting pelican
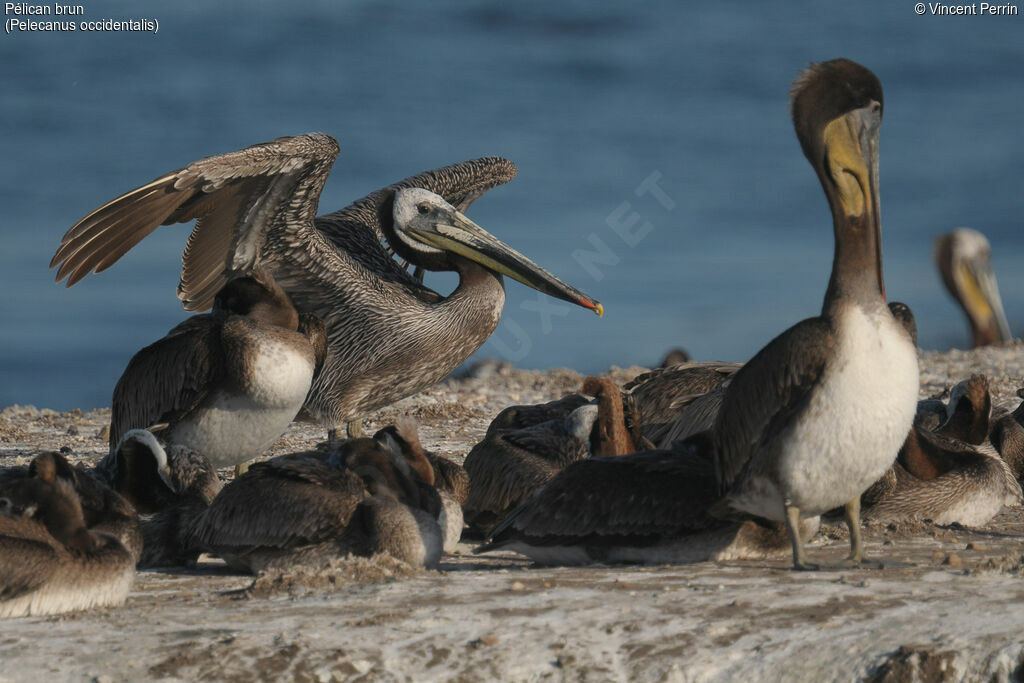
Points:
[[364, 498], [389, 336], [963, 258], [802, 428], [50, 562]]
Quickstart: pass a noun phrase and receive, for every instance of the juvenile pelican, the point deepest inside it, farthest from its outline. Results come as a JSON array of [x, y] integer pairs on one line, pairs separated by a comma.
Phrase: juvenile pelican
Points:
[[226, 384], [302, 509], [646, 508], [169, 488], [803, 428], [389, 336], [509, 466], [963, 258], [945, 480], [50, 562]]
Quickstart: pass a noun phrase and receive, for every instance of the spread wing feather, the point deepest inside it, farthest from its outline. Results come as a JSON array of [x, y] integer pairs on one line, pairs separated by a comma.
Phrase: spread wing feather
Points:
[[237, 198]]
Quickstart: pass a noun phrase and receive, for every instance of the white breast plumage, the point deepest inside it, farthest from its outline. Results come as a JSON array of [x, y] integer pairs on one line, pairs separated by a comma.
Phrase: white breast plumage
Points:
[[235, 426], [858, 416]]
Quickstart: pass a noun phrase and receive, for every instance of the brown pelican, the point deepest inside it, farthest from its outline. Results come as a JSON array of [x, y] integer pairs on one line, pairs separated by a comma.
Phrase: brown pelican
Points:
[[648, 508], [389, 336], [947, 481], [104, 509], [226, 384], [510, 465], [449, 478], [169, 488], [803, 428], [947, 470], [50, 562], [963, 258], [676, 403], [304, 509]]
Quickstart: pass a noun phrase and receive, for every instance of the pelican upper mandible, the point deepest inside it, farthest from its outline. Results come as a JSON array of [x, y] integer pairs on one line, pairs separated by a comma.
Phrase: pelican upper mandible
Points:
[[803, 428], [389, 336]]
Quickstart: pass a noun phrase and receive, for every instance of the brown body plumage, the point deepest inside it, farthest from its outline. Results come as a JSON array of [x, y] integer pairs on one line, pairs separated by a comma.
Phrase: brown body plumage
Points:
[[306, 509], [650, 507], [49, 561]]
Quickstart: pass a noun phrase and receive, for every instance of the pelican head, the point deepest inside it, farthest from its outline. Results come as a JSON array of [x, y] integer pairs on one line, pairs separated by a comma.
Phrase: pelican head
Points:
[[428, 229], [837, 114], [257, 296], [963, 257]]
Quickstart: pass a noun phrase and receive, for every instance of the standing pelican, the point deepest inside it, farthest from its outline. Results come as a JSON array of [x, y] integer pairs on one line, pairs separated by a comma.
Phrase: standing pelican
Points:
[[802, 428], [389, 336], [963, 258]]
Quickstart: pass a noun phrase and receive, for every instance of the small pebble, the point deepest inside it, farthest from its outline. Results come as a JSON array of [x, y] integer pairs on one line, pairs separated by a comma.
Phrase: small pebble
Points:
[[517, 586], [953, 560], [938, 555], [976, 546]]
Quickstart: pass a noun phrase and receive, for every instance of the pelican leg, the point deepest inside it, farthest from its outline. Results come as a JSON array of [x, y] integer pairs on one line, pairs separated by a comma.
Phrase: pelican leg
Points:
[[852, 513], [354, 429], [793, 526], [332, 435]]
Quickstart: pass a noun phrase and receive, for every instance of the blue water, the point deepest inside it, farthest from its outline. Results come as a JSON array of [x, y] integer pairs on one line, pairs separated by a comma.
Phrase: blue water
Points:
[[590, 99]]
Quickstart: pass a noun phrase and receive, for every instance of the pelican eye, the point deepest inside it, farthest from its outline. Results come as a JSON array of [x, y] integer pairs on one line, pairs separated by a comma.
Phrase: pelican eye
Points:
[[424, 209]]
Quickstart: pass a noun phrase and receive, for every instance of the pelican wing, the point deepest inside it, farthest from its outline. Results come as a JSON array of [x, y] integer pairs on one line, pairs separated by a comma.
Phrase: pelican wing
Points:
[[661, 394], [281, 503], [27, 557], [765, 395], [169, 378], [237, 198], [626, 498], [697, 415]]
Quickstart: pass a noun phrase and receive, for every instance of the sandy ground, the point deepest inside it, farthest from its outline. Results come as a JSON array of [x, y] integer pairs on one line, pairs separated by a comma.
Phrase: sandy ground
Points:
[[948, 604]]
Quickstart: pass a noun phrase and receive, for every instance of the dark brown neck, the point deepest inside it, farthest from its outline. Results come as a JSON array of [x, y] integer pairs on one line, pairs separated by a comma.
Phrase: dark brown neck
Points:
[[856, 264], [610, 436], [63, 518], [921, 459], [276, 312]]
